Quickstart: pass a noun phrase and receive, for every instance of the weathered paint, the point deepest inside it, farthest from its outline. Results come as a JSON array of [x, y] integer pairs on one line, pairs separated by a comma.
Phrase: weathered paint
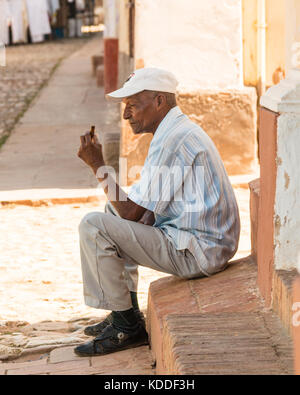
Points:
[[284, 99], [287, 207], [201, 41]]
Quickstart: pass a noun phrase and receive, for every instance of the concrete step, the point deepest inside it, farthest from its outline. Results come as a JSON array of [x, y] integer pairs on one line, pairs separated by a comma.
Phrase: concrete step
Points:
[[189, 321]]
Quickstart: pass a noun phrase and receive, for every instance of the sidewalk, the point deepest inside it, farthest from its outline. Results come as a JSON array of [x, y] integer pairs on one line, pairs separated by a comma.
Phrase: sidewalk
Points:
[[39, 160]]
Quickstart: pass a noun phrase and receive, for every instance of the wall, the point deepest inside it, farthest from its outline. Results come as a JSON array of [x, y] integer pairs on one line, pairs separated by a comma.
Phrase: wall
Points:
[[272, 47], [283, 99], [292, 40], [229, 118], [287, 207], [275, 40], [111, 12], [200, 41], [126, 62], [282, 42], [249, 17]]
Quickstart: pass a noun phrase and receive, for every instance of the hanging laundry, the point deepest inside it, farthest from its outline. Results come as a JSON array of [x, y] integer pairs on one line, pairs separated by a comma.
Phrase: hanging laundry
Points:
[[80, 5], [4, 17], [16, 17], [38, 19], [53, 6]]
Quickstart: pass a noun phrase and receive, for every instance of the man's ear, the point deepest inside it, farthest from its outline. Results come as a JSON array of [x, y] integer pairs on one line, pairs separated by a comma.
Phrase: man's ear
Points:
[[161, 100]]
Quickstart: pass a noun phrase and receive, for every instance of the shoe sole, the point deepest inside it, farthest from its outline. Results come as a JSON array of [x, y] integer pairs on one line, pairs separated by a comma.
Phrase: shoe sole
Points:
[[99, 332], [145, 343]]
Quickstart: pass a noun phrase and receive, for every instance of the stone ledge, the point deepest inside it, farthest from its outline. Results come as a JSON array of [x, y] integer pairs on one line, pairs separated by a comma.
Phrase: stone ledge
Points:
[[225, 343], [231, 291]]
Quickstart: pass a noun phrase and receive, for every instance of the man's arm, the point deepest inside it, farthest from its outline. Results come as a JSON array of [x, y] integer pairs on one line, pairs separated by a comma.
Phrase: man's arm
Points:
[[125, 207], [90, 152]]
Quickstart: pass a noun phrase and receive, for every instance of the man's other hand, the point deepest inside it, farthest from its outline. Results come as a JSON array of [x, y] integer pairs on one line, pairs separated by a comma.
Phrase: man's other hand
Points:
[[90, 151], [147, 218]]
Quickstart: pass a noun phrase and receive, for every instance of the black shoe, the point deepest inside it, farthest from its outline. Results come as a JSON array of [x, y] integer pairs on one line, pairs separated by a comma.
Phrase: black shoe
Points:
[[95, 330], [113, 340]]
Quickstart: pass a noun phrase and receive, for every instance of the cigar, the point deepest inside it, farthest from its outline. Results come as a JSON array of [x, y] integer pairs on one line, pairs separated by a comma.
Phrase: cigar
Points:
[[92, 131]]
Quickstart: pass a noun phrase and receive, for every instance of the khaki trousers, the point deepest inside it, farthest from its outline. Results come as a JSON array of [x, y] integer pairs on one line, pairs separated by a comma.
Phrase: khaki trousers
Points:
[[111, 249]]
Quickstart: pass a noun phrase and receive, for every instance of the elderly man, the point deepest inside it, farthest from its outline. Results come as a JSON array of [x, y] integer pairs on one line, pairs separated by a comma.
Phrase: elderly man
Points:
[[181, 218]]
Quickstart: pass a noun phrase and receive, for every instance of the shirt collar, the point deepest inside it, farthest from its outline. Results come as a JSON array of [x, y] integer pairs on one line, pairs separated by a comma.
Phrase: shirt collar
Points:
[[167, 122]]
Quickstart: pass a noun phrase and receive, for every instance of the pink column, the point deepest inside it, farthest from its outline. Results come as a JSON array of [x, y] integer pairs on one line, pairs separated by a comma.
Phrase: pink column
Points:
[[111, 48], [265, 237]]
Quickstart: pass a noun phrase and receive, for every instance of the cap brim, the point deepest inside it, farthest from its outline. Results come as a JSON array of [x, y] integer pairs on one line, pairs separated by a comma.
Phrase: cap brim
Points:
[[120, 94]]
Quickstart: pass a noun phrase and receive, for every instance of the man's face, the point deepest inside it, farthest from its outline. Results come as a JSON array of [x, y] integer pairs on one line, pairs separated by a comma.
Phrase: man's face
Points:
[[142, 112]]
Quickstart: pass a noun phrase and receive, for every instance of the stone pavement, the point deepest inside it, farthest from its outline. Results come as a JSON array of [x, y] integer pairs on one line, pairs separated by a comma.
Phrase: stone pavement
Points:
[[39, 160], [63, 361], [42, 314], [28, 68]]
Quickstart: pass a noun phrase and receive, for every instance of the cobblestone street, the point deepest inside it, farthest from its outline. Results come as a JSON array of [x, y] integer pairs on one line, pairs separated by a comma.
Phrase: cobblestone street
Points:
[[28, 68]]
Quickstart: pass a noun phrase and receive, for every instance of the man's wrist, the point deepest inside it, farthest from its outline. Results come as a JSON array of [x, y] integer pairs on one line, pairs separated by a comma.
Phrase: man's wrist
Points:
[[96, 166]]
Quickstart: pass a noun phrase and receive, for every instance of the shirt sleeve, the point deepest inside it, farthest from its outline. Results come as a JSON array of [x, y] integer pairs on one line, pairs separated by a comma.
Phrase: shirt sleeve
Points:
[[161, 181]]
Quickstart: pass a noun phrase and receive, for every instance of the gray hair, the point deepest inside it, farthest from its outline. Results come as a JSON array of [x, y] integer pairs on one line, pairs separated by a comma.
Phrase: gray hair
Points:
[[170, 97]]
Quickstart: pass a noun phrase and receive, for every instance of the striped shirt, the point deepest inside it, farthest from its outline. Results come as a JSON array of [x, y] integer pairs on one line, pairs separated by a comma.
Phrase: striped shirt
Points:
[[185, 184]]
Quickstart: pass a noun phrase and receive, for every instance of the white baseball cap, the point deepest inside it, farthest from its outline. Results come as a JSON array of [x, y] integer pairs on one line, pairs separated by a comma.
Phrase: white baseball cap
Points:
[[148, 78]]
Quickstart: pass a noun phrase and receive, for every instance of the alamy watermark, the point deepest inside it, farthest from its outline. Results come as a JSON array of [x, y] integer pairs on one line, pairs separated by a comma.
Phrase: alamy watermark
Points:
[[296, 315], [159, 184], [2, 55]]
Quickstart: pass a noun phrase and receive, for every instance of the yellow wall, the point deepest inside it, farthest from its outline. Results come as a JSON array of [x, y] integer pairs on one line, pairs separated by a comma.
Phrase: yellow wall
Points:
[[293, 34], [249, 15], [275, 44], [275, 48]]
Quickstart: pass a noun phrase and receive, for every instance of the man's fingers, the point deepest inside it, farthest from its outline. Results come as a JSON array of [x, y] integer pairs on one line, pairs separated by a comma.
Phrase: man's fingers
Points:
[[85, 139], [88, 138], [82, 140], [95, 139]]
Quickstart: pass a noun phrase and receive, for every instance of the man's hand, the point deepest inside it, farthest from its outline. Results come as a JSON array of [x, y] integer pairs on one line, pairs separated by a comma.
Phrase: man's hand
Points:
[[147, 218], [90, 151]]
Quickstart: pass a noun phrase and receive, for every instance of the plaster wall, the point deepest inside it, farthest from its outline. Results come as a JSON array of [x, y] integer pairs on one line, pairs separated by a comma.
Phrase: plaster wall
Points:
[[199, 41], [111, 19], [126, 62], [292, 37], [287, 208]]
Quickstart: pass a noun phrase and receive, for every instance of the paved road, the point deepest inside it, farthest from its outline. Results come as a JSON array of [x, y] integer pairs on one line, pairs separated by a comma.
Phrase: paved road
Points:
[[40, 157]]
